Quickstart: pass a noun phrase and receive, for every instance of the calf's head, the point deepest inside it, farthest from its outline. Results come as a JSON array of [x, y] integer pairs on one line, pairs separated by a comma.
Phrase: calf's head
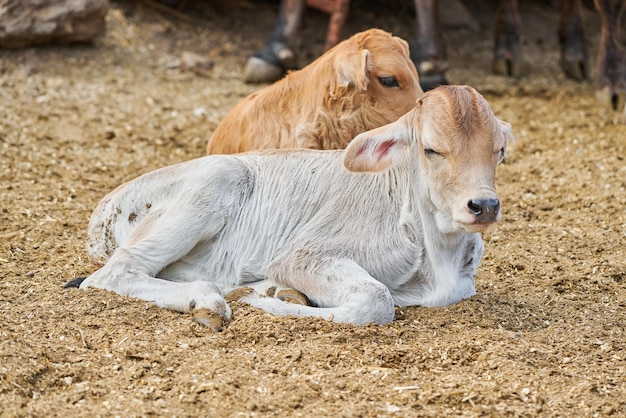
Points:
[[376, 65], [453, 142]]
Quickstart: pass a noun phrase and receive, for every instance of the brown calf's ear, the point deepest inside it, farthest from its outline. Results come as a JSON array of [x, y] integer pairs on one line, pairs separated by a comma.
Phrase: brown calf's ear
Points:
[[405, 44], [377, 149], [353, 70]]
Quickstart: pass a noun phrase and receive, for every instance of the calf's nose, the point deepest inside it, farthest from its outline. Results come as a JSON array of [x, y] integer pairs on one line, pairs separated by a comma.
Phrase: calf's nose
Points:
[[485, 210]]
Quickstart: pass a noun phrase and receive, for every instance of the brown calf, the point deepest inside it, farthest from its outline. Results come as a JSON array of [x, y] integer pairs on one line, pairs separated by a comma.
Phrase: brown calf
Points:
[[363, 82]]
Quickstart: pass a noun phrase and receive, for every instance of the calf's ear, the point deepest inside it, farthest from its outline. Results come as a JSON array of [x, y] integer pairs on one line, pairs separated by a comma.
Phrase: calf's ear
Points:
[[405, 44], [353, 70], [507, 131], [377, 149]]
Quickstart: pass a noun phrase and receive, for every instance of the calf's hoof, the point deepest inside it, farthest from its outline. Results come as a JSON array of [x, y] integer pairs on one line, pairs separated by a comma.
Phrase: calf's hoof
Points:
[[239, 293], [293, 296], [209, 319], [74, 282]]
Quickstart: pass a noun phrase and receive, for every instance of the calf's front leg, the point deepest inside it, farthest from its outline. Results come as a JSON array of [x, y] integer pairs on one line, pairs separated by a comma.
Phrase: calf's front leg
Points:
[[340, 289]]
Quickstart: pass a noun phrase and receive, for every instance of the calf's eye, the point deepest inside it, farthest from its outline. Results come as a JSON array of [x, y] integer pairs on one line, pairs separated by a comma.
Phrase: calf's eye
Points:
[[501, 154], [388, 81], [430, 152]]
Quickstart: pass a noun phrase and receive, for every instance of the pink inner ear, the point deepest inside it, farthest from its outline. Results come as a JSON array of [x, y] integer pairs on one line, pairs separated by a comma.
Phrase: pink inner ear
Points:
[[383, 149]]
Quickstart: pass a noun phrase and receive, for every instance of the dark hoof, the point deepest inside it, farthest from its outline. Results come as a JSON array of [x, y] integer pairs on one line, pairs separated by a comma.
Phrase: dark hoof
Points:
[[432, 73], [270, 63], [259, 71], [575, 69], [74, 283], [612, 99], [507, 67]]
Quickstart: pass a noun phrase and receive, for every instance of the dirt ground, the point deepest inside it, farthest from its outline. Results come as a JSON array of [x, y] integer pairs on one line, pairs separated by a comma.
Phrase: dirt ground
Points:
[[544, 336]]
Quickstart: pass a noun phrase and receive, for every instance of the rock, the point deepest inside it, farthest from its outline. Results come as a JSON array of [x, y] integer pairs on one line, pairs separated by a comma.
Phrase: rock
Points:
[[32, 22], [200, 64]]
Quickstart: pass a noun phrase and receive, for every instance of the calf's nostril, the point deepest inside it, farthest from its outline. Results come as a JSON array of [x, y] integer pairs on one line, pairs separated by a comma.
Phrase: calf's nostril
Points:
[[485, 210], [474, 208]]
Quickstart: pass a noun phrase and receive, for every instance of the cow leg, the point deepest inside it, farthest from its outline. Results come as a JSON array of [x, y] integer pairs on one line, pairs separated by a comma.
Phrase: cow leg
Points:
[[429, 51], [159, 240], [338, 11], [271, 289], [611, 56], [507, 58], [278, 55], [341, 290], [574, 57]]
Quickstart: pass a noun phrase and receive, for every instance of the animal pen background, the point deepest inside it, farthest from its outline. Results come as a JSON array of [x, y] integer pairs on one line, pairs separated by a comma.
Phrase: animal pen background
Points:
[[545, 335]]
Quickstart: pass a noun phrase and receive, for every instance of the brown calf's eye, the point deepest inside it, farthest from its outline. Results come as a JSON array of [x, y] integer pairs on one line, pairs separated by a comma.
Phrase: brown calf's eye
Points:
[[388, 81]]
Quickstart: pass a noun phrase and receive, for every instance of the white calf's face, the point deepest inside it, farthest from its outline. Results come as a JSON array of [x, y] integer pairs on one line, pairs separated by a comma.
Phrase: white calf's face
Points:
[[460, 143], [455, 142]]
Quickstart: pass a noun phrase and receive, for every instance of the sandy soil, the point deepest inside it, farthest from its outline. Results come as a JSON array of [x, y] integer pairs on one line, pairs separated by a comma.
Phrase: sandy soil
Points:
[[545, 336]]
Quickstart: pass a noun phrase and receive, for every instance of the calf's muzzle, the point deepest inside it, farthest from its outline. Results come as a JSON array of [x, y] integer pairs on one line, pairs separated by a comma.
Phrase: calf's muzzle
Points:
[[485, 210]]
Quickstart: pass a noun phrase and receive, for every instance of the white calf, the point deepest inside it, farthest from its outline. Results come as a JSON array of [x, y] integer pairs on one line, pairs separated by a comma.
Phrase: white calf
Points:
[[399, 226]]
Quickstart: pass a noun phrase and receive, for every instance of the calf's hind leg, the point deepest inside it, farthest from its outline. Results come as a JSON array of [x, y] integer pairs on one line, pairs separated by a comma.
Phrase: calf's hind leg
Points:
[[201, 298], [157, 241]]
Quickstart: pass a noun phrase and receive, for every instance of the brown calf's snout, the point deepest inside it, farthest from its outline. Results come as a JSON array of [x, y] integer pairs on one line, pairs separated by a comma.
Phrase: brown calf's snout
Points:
[[485, 210]]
